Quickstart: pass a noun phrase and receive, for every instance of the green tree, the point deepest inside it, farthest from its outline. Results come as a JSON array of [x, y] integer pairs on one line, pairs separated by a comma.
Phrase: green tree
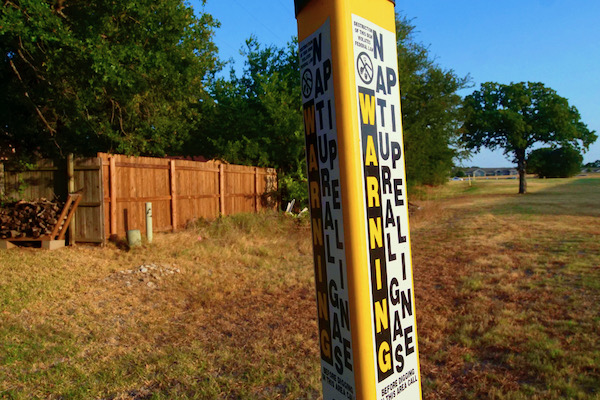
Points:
[[594, 164], [515, 117], [458, 172], [105, 75], [430, 109], [256, 119], [562, 162]]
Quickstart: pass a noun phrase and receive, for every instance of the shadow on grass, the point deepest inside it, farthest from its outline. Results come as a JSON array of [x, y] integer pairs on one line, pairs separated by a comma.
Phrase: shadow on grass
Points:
[[578, 197]]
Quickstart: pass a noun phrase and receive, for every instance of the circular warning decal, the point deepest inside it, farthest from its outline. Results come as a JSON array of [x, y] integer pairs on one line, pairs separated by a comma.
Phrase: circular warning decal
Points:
[[307, 83], [364, 65]]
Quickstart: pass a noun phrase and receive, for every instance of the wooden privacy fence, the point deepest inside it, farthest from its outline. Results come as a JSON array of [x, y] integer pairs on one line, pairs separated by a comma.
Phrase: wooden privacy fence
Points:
[[180, 191], [116, 188]]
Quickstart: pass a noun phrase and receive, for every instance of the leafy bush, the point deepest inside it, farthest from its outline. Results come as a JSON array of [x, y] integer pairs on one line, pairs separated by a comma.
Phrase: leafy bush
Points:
[[562, 162]]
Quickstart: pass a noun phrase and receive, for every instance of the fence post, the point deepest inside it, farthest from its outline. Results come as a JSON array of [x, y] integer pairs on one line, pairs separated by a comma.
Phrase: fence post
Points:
[[256, 189], [113, 194], [222, 189], [173, 195], [71, 189], [1, 180]]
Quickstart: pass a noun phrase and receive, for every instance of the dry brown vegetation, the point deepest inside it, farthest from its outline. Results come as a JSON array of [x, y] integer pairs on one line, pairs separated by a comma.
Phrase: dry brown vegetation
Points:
[[507, 287], [236, 321]]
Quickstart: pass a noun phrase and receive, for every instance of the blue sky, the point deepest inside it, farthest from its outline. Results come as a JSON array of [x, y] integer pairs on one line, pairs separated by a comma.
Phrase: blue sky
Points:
[[556, 42]]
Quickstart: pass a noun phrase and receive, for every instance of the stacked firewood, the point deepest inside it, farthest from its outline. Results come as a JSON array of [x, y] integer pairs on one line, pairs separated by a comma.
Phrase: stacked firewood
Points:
[[29, 219]]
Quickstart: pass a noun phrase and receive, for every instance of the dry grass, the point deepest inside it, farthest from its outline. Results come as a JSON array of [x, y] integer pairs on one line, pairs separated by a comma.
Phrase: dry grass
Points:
[[508, 294], [235, 322]]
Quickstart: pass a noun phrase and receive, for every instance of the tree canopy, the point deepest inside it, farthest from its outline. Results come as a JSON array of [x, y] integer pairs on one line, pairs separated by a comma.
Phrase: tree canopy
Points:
[[256, 119], [514, 117], [115, 76], [594, 164], [430, 109], [139, 78]]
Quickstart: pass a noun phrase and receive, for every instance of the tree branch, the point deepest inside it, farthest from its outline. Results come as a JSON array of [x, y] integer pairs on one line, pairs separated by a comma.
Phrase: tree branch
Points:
[[35, 70], [112, 116], [39, 113]]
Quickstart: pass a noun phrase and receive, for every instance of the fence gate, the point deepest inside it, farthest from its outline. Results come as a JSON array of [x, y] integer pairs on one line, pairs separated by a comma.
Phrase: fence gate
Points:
[[89, 218]]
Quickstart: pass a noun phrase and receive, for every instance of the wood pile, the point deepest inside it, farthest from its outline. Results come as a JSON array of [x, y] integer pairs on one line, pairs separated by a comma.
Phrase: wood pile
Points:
[[29, 219]]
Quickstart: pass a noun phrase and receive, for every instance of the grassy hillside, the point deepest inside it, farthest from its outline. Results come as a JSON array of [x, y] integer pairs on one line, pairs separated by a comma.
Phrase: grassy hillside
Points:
[[507, 299]]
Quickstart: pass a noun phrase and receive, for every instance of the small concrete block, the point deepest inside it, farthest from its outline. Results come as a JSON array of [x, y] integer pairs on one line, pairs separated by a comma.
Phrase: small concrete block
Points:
[[5, 245], [52, 244], [134, 238]]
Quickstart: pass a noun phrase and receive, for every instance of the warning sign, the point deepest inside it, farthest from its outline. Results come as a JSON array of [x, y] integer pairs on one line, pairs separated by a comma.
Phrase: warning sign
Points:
[[335, 337], [386, 210]]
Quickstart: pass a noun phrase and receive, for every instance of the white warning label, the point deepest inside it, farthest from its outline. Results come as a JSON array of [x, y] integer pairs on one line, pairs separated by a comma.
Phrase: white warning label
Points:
[[337, 364], [389, 262]]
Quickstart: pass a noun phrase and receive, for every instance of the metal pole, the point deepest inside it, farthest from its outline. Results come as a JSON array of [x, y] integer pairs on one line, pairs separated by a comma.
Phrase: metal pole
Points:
[[149, 232]]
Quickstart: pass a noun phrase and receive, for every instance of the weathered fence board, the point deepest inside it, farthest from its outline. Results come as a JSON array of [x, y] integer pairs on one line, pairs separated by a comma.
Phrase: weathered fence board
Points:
[[1, 179], [47, 180]]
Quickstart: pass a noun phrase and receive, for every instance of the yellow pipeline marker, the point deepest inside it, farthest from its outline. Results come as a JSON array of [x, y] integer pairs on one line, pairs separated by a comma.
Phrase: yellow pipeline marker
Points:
[[358, 204]]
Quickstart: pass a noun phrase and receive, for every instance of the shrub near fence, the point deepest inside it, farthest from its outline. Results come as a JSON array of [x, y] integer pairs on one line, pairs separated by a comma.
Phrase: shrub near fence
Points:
[[117, 187]]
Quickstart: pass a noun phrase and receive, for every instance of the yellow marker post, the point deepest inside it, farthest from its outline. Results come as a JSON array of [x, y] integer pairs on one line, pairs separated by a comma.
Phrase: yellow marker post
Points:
[[358, 204]]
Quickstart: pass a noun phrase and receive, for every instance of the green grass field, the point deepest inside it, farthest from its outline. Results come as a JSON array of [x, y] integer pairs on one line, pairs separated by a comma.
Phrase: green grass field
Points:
[[507, 297]]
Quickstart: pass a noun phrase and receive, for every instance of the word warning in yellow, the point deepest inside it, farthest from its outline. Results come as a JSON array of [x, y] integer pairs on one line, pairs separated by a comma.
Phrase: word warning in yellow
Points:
[[335, 338]]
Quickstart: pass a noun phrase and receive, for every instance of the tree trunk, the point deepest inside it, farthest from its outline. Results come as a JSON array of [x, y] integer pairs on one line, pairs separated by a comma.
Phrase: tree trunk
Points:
[[521, 167]]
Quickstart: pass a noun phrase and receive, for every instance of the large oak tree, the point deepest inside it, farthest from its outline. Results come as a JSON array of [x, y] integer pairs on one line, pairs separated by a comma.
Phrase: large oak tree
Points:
[[514, 117]]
